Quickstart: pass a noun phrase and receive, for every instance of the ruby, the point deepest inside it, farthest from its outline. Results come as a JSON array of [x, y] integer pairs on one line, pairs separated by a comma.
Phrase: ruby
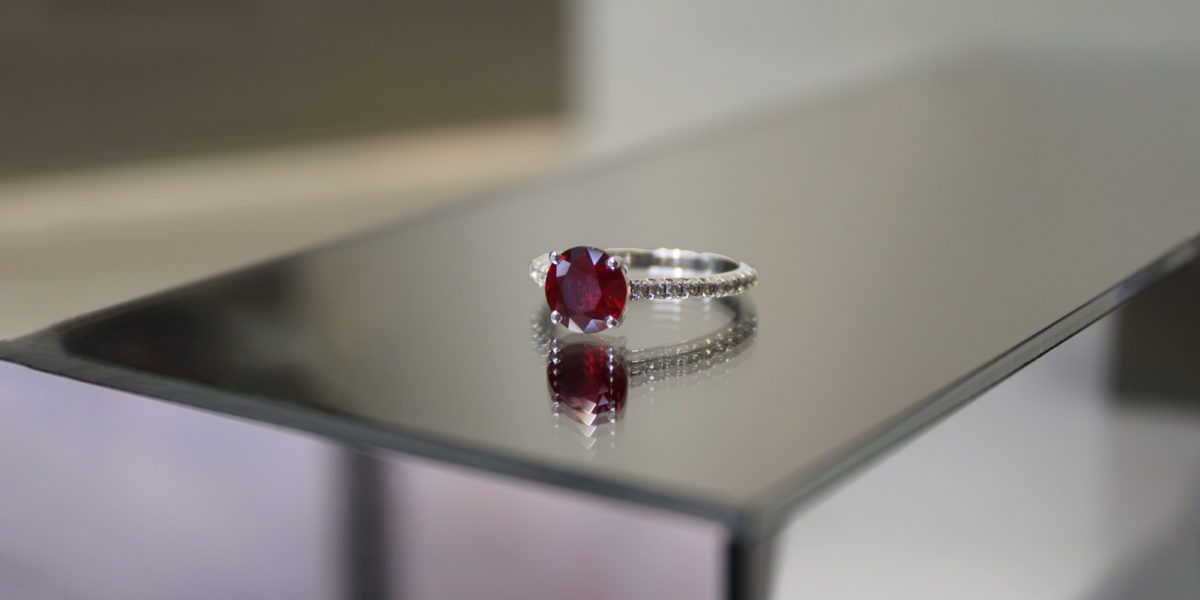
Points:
[[589, 379], [587, 290]]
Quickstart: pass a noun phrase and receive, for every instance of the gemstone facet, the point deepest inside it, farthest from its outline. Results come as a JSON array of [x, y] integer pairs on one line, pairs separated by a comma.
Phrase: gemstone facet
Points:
[[586, 289], [590, 380]]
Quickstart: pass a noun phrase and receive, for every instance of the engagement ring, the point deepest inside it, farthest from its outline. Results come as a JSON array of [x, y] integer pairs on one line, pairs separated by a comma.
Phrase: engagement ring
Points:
[[587, 288]]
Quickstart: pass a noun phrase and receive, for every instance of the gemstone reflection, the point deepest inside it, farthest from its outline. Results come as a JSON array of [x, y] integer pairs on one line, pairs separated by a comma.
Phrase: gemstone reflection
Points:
[[588, 381]]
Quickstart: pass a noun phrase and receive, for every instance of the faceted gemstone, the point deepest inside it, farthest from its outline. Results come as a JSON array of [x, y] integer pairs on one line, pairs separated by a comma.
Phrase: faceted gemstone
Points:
[[588, 382], [585, 290]]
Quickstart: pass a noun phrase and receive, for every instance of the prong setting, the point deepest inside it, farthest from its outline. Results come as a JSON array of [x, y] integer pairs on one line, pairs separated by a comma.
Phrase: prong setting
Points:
[[588, 289]]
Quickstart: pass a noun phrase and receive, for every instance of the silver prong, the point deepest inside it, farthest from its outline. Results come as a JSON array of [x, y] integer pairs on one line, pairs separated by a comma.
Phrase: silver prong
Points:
[[613, 263], [555, 317], [611, 321], [554, 258]]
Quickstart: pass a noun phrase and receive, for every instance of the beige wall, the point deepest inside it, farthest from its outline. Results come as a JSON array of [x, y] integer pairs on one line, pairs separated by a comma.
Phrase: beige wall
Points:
[[96, 82]]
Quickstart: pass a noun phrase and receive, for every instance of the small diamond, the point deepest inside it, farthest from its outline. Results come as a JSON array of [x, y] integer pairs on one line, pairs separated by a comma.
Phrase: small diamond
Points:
[[676, 288], [685, 288]]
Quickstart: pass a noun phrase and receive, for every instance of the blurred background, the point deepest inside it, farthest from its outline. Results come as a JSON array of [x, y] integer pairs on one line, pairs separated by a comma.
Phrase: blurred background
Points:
[[147, 144], [144, 144]]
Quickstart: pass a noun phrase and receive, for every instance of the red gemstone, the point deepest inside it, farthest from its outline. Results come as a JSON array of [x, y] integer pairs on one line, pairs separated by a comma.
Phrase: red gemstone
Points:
[[586, 380], [585, 290]]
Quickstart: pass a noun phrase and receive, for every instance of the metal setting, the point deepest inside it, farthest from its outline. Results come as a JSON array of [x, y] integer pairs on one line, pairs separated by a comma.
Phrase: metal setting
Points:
[[696, 274]]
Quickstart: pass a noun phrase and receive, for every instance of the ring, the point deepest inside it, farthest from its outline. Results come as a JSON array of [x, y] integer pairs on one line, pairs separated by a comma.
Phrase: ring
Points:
[[587, 288], [589, 378]]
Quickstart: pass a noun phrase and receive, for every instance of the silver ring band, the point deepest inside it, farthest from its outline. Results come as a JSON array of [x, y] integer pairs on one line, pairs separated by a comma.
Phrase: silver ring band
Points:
[[689, 274]]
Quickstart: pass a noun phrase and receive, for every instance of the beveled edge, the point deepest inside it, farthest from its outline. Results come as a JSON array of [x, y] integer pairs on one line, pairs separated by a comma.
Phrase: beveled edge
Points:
[[772, 508]]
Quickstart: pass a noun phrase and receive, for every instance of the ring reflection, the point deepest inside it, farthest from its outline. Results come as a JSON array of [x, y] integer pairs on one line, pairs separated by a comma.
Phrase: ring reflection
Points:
[[591, 377]]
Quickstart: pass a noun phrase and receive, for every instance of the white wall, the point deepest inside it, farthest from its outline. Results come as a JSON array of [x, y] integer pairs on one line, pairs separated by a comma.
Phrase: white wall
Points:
[[645, 70]]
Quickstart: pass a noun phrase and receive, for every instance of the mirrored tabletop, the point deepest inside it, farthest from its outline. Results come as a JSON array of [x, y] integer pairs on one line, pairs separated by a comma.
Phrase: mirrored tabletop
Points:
[[916, 242]]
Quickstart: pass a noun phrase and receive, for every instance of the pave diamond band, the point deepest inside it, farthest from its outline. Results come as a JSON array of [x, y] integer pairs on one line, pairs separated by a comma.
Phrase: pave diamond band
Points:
[[672, 274], [587, 288]]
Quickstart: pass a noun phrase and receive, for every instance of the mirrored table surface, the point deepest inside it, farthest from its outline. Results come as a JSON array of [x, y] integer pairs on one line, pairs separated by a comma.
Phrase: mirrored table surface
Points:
[[918, 240]]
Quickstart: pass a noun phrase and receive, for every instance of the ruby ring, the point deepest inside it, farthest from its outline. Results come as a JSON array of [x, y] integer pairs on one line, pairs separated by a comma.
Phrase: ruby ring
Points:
[[587, 288]]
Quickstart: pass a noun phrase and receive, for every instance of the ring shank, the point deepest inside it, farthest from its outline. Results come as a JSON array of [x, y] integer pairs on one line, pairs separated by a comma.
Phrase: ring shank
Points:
[[688, 262], [696, 274]]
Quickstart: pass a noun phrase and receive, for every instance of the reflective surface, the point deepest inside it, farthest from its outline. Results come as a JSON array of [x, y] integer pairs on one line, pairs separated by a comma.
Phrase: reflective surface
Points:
[[905, 236], [1078, 477], [110, 496], [590, 377]]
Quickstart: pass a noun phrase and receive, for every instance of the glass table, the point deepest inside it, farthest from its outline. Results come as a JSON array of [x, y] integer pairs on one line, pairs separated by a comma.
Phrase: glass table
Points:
[[918, 242]]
